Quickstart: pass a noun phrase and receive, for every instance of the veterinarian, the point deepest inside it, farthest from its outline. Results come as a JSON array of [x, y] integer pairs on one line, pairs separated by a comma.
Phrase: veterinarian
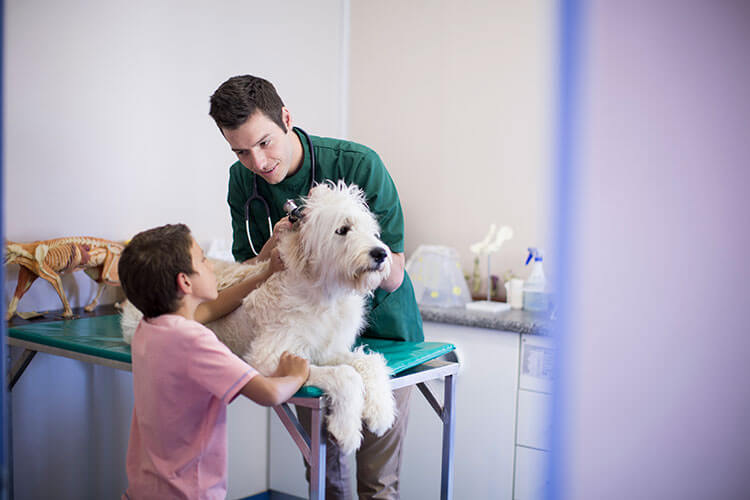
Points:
[[183, 376], [275, 163]]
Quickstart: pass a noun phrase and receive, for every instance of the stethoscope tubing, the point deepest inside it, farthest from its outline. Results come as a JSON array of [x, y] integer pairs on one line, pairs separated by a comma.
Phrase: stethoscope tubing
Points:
[[255, 196]]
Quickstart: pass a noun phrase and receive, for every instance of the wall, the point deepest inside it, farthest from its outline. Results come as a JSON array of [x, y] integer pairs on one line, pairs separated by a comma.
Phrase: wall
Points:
[[654, 401], [107, 133], [457, 99]]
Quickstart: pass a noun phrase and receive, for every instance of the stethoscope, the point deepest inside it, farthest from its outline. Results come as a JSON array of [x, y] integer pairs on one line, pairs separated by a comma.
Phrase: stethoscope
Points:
[[257, 197]]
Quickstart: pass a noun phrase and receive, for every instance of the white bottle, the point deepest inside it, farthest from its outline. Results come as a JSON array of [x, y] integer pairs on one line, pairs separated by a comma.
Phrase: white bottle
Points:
[[535, 296]]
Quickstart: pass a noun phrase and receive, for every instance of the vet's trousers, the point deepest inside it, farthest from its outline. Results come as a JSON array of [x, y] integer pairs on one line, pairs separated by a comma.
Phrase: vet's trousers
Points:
[[378, 459]]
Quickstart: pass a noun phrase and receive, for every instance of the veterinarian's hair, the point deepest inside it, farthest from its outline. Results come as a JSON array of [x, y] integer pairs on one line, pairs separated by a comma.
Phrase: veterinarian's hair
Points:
[[239, 97], [149, 266]]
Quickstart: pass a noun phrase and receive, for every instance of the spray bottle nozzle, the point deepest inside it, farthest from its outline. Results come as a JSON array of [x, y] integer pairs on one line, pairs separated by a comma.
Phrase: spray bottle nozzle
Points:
[[535, 253]]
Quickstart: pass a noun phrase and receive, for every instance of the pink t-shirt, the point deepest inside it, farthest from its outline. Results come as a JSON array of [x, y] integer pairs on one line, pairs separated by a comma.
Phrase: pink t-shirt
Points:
[[183, 379]]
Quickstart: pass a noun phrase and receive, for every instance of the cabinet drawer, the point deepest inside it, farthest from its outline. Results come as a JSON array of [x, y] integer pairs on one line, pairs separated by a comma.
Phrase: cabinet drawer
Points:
[[532, 474], [534, 419]]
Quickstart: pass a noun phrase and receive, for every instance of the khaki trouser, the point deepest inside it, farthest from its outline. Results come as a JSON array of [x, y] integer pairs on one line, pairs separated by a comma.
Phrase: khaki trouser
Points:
[[378, 459]]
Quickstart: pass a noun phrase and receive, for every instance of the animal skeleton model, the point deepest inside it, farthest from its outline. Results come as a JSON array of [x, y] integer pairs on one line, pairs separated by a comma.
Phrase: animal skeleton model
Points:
[[49, 259]]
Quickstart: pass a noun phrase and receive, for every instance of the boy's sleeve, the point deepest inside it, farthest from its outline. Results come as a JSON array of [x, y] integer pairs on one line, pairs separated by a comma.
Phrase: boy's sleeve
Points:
[[216, 368]]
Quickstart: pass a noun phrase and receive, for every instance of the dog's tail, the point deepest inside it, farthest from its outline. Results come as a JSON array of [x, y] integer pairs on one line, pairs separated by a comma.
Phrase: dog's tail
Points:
[[130, 316]]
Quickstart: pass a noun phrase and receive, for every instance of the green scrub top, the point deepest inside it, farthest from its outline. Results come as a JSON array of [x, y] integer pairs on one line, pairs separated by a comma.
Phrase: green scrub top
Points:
[[392, 315]]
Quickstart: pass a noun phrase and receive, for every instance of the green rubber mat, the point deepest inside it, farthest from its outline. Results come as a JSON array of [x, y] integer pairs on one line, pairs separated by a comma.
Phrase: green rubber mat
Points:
[[100, 336]]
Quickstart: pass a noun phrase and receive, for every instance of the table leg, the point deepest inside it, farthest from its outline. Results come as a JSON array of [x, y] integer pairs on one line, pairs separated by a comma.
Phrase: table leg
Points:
[[9, 402], [19, 366], [448, 417], [317, 456]]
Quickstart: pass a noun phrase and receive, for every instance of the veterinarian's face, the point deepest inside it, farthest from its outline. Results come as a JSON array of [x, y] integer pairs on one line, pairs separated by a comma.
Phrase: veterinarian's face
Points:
[[263, 147], [203, 279]]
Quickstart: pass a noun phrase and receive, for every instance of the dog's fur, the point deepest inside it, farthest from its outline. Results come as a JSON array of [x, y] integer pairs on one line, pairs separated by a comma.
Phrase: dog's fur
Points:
[[315, 308]]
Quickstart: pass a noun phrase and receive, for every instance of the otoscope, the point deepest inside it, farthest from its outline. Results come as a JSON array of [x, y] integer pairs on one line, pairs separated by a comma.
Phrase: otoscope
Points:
[[293, 211]]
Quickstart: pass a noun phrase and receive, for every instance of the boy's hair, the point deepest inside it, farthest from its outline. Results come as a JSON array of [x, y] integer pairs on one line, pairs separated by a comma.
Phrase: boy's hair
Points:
[[239, 97], [149, 266]]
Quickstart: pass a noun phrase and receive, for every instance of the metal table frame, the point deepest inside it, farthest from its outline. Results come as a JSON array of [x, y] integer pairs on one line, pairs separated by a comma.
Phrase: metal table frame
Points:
[[313, 447]]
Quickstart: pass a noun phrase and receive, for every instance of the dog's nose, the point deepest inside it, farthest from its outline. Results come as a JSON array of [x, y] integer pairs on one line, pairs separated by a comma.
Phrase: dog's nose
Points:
[[378, 254]]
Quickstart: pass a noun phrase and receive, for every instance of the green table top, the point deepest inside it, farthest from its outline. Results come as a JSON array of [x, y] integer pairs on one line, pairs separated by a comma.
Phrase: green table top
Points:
[[101, 336], [98, 336]]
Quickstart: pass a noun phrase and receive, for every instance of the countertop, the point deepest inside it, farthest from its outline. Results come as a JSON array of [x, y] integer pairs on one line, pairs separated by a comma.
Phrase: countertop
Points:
[[515, 320]]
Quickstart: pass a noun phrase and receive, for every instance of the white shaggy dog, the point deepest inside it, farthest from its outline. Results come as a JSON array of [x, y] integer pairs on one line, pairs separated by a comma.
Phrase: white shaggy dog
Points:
[[315, 308]]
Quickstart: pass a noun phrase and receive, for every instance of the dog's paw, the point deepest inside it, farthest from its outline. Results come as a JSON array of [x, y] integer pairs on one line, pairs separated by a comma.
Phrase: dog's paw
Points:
[[345, 392], [346, 432], [380, 413]]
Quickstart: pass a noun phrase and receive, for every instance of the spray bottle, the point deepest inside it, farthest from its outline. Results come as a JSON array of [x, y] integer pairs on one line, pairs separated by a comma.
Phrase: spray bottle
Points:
[[535, 296]]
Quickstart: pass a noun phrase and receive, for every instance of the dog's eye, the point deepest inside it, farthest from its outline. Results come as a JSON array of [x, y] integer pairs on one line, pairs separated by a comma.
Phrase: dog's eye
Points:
[[343, 230]]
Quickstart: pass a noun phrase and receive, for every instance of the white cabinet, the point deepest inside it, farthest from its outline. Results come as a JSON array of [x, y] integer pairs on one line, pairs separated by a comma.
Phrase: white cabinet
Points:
[[534, 422], [486, 391]]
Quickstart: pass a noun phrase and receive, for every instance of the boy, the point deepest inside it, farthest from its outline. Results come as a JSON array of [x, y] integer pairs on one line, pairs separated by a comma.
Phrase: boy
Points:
[[183, 376]]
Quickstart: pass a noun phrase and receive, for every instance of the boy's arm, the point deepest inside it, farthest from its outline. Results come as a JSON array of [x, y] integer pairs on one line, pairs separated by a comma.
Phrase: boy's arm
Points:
[[230, 298], [267, 251], [291, 374]]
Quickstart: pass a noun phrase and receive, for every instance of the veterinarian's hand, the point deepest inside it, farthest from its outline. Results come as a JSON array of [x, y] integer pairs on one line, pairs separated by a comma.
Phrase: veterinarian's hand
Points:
[[292, 366]]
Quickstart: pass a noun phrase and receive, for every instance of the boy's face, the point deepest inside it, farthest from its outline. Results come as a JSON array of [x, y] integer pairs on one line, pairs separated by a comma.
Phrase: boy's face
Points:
[[263, 147], [203, 279]]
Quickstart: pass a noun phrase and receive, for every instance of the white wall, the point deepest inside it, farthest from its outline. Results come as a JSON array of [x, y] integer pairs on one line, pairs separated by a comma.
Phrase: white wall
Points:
[[654, 396], [457, 98], [107, 130], [107, 133]]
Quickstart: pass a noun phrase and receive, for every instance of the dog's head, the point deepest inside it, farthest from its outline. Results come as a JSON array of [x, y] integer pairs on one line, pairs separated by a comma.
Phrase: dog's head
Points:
[[336, 243]]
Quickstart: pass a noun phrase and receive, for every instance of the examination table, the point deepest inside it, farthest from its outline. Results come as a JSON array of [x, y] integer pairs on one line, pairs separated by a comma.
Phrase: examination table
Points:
[[98, 339]]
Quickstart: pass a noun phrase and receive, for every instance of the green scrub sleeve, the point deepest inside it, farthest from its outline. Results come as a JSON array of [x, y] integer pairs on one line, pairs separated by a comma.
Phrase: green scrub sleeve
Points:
[[382, 197], [236, 198]]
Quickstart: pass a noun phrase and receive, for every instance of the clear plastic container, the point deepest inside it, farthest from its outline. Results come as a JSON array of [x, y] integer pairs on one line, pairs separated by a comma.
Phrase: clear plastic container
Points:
[[437, 277]]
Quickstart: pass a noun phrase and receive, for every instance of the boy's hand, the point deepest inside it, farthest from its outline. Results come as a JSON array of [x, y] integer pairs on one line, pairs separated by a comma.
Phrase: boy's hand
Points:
[[276, 264], [292, 366], [289, 376], [280, 227]]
